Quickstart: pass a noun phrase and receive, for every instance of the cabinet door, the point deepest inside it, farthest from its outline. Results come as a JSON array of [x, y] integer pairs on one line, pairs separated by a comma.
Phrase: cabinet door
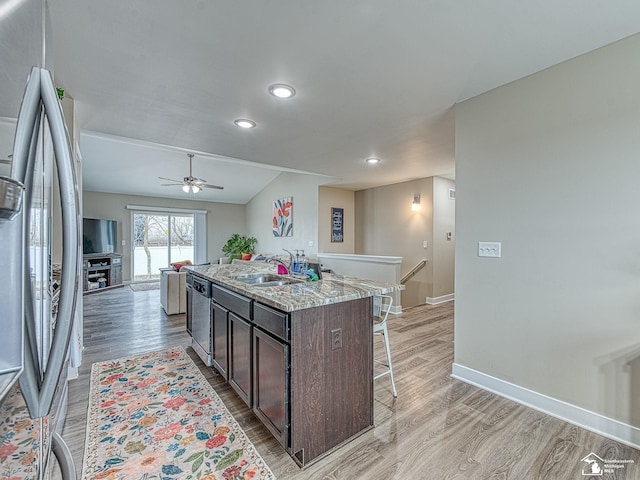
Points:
[[240, 356], [116, 275], [220, 353], [271, 384]]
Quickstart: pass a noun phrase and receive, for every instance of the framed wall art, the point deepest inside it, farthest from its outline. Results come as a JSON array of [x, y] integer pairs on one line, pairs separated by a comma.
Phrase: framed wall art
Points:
[[337, 224], [283, 217]]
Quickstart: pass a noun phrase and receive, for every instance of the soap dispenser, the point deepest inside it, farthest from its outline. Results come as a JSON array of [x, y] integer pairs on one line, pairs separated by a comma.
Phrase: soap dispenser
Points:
[[296, 263]]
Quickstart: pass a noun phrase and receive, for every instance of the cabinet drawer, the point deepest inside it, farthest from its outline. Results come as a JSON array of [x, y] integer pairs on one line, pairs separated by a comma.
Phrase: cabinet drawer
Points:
[[272, 320], [232, 301]]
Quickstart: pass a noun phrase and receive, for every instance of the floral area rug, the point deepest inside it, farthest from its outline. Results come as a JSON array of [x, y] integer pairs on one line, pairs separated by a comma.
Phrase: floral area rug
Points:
[[155, 416]]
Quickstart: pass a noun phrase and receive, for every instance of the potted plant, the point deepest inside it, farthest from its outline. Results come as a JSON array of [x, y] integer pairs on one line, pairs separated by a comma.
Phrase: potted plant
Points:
[[239, 244]]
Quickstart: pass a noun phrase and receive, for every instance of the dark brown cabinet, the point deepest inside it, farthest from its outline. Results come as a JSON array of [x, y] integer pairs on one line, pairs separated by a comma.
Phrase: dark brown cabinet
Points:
[[240, 365], [312, 392], [219, 339], [271, 384]]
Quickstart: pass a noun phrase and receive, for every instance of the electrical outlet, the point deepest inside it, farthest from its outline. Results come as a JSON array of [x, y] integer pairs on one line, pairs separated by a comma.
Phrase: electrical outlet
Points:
[[336, 339]]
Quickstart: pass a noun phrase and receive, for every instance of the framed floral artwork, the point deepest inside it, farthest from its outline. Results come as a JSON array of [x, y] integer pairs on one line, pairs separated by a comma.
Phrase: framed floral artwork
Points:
[[283, 217]]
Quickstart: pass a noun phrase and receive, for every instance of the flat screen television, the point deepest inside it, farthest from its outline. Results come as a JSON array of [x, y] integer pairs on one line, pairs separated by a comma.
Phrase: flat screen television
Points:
[[99, 236]]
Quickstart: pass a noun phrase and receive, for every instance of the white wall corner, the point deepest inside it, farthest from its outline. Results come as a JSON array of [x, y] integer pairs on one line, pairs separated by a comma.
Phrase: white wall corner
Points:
[[607, 427], [441, 299]]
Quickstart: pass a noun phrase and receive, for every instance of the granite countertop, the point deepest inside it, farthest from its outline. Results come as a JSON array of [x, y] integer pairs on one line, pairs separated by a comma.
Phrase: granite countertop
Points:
[[295, 296]]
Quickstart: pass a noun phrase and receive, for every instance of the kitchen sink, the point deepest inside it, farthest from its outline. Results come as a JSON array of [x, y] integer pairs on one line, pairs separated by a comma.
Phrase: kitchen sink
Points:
[[258, 278], [276, 283], [265, 280]]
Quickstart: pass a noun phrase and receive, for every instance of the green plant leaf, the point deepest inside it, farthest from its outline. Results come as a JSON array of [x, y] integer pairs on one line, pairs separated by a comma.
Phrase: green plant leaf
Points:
[[239, 244]]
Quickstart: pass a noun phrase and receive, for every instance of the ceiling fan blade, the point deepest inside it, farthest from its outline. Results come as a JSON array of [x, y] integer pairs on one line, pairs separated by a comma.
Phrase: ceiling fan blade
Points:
[[170, 184], [196, 184]]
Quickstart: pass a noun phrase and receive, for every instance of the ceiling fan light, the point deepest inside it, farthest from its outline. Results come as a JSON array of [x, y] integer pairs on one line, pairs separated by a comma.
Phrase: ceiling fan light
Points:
[[185, 188], [195, 188]]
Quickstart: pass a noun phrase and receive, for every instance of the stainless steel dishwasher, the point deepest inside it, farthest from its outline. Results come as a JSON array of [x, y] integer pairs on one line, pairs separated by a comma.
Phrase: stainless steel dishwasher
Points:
[[201, 319]]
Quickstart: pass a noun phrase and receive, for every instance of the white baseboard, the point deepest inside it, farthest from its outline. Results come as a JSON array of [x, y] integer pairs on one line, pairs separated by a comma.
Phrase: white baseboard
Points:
[[395, 309], [573, 414], [442, 299]]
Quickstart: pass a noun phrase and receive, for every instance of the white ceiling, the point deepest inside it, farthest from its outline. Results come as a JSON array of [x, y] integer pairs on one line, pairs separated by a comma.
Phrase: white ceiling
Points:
[[374, 77], [120, 165]]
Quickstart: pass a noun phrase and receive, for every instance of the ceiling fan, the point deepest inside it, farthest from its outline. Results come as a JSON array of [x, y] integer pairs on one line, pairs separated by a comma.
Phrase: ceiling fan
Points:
[[190, 183]]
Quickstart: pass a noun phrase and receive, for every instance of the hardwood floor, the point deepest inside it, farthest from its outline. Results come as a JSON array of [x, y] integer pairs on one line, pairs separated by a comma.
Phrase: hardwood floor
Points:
[[437, 428]]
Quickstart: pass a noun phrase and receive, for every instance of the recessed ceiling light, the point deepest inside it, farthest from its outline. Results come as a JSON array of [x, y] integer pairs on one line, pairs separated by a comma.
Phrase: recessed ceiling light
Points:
[[281, 90], [244, 123], [372, 160]]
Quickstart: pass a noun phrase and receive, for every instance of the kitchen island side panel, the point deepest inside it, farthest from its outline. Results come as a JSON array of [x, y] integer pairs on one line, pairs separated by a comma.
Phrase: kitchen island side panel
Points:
[[331, 386]]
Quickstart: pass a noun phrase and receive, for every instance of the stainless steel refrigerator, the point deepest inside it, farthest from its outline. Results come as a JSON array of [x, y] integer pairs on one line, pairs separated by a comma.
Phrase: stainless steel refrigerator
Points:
[[37, 311]]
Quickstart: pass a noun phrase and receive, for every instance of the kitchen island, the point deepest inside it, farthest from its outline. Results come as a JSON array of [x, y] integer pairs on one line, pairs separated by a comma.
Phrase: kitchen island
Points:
[[299, 354]]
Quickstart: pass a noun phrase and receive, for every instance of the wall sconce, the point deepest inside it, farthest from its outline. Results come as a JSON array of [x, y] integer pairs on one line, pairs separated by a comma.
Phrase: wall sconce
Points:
[[415, 205]]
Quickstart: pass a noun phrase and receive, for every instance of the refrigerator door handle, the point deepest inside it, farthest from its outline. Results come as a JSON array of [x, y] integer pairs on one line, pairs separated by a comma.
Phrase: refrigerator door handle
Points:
[[30, 350], [63, 454], [70, 239], [39, 396], [24, 151]]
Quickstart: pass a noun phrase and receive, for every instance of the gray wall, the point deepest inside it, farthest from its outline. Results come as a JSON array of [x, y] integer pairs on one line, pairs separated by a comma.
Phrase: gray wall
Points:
[[259, 213], [329, 197], [443, 248], [223, 219], [550, 166], [386, 225]]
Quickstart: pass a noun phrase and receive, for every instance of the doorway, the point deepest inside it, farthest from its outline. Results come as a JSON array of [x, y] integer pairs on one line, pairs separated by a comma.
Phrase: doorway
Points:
[[159, 239]]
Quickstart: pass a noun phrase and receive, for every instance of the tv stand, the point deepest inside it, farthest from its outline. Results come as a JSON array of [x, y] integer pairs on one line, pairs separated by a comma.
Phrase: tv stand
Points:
[[101, 271]]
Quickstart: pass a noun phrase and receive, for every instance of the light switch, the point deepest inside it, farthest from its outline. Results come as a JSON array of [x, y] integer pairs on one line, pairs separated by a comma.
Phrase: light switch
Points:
[[490, 249], [311, 243], [425, 244], [124, 242]]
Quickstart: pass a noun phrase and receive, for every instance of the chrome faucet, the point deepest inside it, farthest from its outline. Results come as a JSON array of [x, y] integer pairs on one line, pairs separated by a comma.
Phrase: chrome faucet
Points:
[[284, 264], [290, 267]]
